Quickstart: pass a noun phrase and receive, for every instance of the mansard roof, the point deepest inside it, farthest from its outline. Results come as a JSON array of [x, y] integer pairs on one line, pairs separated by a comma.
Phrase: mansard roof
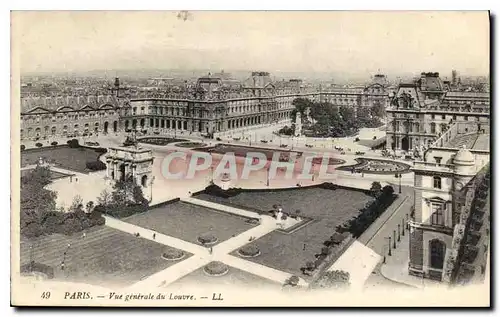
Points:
[[68, 103]]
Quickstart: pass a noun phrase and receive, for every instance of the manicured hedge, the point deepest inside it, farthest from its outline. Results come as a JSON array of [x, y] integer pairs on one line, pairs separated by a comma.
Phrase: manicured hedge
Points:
[[207, 238], [173, 254], [356, 226], [216, 268], [38, 144], [249, 251], [54, 143], [95, 165], [23, 147], [73, 143]]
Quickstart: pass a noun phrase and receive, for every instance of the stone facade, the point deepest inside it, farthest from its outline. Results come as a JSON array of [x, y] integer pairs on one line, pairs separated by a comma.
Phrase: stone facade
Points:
[[210, 106], [439, 182], [123, 162], [421, 111]]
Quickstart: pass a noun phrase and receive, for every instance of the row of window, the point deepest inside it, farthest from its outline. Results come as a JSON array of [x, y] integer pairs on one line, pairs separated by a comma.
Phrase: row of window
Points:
[[65, 116]]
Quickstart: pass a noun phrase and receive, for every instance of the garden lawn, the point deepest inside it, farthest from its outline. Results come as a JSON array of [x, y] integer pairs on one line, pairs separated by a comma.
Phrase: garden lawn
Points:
[[235, 277], [290, 252], [73, 159], [105, 257], [187, 222]]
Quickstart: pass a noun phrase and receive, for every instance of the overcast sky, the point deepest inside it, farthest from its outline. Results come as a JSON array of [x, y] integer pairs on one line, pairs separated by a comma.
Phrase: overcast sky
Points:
[[337, 42]]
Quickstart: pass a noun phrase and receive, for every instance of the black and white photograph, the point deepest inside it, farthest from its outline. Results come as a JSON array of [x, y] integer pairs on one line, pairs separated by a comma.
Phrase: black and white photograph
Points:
[[250, 158]]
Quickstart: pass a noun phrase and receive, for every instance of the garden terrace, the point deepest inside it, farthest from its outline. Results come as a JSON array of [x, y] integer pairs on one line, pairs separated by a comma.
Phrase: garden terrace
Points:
[[190, 222], [159, 140], [374, 166], [289, 252], [63, 156], [106, 256], [242, 151]]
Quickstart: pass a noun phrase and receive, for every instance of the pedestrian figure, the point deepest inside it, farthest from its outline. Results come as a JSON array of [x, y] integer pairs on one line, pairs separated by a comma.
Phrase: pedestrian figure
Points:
[[84, 235], [154, 236], [62, 266], [210, 250]]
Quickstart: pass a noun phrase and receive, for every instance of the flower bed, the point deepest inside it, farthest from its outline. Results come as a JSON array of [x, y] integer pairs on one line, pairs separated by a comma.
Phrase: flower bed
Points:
[[207, 239], [173, 255], [159, 140], [249, 251], [216, 268], [191, 144]]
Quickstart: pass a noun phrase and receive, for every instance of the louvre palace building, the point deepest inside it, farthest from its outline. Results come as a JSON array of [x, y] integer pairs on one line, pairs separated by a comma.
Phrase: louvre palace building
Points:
[[213, 104], [421, 111]]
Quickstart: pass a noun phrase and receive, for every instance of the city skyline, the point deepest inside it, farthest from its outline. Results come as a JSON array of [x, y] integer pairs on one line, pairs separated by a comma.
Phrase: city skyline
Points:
[[255, 41]]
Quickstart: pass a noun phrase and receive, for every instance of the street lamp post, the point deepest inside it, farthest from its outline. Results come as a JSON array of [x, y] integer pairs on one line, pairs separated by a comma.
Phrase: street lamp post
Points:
[[407, 222], [389, 254], [399, 232], [394, 234], [403, 226], [399, 175], [268, 176]]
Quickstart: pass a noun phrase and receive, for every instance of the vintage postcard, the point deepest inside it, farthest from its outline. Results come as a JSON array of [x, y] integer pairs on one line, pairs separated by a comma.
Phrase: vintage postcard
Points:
[[250, 158]]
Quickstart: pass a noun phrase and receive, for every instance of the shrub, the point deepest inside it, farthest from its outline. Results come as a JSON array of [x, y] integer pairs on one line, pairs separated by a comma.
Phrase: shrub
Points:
[[325, 251], [249, 251], [32, 230], [38, 144], [95, 165], [23, 147], [207, 238], [38, 267], [357, 139], [216, 268], [73, 143], [292, 281], [218, 139], [334, 279], [54, 143], [70, 226], [173, 254]]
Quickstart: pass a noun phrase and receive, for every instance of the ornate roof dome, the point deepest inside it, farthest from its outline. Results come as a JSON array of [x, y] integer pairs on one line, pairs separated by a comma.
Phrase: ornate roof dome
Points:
[[463, 157]]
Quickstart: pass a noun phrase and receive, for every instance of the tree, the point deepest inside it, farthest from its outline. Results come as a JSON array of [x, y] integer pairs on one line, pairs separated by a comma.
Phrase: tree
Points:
[[378, 109], [375, 189], [334, 279], [105, 198]]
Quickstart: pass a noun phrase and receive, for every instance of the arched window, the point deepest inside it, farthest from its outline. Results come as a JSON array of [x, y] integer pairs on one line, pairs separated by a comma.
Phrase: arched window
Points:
[[433, 127], [437, 182], [437, 251]]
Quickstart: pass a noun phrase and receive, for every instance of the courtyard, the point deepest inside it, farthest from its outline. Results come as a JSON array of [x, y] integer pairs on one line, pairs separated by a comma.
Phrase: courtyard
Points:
[[106, 256], [188, 222], [63, 156], [289, 252]]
